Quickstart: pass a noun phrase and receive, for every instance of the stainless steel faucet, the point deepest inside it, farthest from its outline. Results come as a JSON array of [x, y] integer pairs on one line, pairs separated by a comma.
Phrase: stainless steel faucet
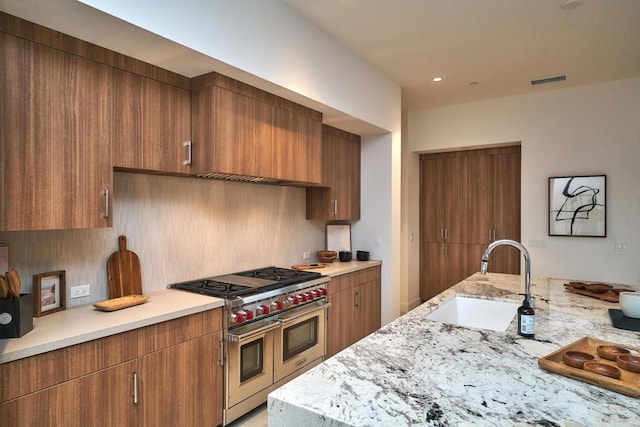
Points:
[[527, 263]]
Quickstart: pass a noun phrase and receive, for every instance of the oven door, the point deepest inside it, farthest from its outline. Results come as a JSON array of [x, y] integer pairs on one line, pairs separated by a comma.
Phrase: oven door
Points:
[[300, 340], [249, 360]]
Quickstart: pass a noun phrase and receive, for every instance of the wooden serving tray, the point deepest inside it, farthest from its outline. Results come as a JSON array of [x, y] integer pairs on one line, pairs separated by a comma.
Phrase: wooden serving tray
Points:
[[628, 384], [610, 295], [309, 266], [120, 303]]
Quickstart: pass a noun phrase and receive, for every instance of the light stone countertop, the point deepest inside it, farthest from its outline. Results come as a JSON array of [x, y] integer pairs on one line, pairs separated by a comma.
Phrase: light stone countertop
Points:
[[338, 268], [85, 323], [424, 373]]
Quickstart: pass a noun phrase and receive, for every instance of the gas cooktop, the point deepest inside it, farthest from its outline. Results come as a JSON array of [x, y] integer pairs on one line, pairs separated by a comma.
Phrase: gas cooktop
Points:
[[247, 282]]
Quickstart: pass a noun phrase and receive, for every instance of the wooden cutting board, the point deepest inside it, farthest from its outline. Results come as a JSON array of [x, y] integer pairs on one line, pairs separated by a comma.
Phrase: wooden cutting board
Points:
[[123, 272]]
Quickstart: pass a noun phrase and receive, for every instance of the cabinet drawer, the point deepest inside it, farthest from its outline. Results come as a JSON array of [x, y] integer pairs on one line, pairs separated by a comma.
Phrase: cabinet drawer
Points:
[[34, 373]]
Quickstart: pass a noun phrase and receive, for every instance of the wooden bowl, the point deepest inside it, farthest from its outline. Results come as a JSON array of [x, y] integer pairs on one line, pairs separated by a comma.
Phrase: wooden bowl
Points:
[[577, 359], [598, 288], [326, 256], [602, 369], [629, 362], [611, 352]]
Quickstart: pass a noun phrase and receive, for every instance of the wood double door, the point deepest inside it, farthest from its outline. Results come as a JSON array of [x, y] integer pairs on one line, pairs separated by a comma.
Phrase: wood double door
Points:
[[468, 199]]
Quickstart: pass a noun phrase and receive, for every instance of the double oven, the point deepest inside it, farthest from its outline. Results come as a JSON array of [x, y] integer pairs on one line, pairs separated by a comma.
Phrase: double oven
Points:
[[275, 329]]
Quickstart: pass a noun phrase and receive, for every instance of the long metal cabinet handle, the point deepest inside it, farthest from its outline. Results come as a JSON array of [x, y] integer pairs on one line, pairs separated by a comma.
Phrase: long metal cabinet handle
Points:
[[106, 203], [336, 211], [490, 238], [189, 148], [221, 353], [135, 388], [357, 299], [446, 234]]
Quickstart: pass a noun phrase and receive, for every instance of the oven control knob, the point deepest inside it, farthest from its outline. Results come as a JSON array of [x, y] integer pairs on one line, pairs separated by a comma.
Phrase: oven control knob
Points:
[[305, 297], [249, 315], [296, 299], [279, 305], [262, 309], [313, 294], [237, 317]]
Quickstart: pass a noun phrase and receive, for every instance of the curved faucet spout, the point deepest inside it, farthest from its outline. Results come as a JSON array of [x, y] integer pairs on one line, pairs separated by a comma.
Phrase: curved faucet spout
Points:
[[527, 263]]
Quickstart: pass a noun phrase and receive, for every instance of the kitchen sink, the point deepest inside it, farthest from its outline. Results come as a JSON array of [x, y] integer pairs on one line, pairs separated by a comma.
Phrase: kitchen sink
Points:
[[476, 313]]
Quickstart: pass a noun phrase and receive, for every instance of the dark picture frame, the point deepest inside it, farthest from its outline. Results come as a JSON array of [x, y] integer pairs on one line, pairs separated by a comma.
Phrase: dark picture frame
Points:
[[49, 292], [577, 206]]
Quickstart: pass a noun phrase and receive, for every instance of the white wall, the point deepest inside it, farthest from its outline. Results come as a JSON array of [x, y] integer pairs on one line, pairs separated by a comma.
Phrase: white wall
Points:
[[374, 231], [576, 131]]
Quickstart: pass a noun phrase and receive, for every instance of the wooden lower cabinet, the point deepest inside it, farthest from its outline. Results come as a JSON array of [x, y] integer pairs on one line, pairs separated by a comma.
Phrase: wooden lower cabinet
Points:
[[355, 308], [103, 398], [164, 374]]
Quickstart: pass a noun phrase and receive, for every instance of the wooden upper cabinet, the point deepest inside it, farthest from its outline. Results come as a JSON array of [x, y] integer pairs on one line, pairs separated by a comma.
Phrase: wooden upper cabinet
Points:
[[241, 130], [55, 110], [151, 124], [338, 198]]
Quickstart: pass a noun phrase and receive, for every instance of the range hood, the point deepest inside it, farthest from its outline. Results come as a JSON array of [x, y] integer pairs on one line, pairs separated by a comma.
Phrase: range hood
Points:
[[240, 178]]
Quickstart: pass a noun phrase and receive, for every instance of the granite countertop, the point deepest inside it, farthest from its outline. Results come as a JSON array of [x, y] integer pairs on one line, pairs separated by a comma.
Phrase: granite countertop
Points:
[[425, 373], [85, 323]]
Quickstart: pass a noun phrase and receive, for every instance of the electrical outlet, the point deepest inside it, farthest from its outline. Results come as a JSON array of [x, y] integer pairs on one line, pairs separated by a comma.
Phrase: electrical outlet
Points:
[[538, 243], [306, 255], [622, 246], [79, 291]]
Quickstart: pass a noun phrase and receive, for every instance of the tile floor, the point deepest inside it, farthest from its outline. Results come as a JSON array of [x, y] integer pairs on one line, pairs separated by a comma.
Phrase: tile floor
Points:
[[255, 418]]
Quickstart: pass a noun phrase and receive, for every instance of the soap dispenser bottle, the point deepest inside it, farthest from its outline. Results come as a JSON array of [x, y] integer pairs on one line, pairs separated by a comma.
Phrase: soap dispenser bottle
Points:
[[526, 319]]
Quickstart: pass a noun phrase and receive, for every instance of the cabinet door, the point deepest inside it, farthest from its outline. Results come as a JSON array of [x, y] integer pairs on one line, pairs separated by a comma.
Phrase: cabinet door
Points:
[[55, 135], [432, 199], [151, 123], [506, 210], [224, 128], [480, 194], [368, 304], [456, 199], [339, 198], [104, 398], [347, 180], [182, 384], [339, 326]]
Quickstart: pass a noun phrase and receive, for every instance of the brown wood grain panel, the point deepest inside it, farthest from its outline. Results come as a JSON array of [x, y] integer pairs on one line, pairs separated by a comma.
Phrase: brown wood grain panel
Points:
[[35, 373], [162, 335], [102, 398], [151, 122], [57, 162], [33, 32], [199, 400]]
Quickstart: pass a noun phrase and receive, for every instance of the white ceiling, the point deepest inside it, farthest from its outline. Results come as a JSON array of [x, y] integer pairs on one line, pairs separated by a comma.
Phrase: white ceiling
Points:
[[500, 44]]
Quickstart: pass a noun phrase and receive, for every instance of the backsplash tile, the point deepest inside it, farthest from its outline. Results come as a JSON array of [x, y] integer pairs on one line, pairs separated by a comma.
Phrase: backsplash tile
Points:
[[180, 228]]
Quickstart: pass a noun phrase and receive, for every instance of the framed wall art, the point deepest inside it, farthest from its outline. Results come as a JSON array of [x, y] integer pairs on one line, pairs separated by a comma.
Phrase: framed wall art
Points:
[[48, 293], [577, 206]]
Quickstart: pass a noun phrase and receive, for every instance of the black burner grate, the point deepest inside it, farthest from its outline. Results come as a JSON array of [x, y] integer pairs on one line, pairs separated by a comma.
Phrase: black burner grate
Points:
[[278, 277]]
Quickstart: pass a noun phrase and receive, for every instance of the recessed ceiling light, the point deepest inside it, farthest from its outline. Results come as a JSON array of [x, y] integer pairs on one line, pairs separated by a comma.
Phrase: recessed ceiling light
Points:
[[570, 4], [473, 83], [437, 79]]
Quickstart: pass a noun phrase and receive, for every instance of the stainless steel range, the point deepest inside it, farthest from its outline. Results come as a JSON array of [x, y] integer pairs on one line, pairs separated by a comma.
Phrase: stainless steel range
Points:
[[274, 330]]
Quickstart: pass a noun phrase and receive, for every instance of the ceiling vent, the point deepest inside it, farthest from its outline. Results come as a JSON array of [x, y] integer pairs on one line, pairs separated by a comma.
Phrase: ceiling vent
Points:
[[548, 80]]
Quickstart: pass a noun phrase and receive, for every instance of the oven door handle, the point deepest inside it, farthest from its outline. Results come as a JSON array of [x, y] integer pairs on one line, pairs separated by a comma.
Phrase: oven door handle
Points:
[[274, 324], [291, 316]]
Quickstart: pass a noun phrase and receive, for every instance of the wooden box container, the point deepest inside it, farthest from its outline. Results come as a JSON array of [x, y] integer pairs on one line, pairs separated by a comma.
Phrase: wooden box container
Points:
[[16, 316]]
